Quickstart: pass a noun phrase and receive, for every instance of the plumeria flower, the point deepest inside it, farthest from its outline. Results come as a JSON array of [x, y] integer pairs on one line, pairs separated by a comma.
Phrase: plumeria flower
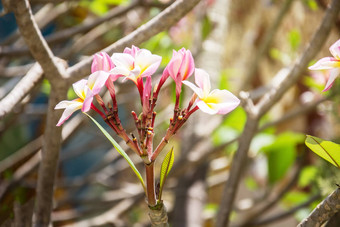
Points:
[[211, 102], [180, 67], [330, 63], [85, 90], [135, 63]]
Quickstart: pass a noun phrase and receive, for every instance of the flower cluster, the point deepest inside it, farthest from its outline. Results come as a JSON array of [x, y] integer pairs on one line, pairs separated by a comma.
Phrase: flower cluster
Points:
[[331, 64], [138, 65]]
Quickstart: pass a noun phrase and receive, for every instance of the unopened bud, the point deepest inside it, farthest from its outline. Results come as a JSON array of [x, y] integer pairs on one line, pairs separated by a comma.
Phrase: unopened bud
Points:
[[180, 117]]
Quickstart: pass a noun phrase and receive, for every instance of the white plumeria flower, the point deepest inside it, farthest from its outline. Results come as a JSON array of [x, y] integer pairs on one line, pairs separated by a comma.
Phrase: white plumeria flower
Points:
[[85, 89], [211, 102], [135, 63]]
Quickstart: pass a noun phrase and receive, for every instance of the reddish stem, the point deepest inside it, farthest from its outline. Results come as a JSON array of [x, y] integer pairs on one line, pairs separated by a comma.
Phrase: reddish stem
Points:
[[150, 184]]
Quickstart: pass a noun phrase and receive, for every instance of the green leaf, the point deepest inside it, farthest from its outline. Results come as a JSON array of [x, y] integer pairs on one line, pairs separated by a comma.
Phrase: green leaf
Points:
[[165, 169], [325, 149], [294, 38], [307, 176], [281, 154], [119, 149]]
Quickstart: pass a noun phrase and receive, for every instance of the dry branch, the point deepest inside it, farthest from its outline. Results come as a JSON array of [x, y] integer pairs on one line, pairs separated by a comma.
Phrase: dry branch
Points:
[[324, 211]]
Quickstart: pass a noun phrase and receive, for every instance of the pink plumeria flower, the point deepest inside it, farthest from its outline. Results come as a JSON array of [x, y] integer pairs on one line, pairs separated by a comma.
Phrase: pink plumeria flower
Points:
[[330, 63], [85, 89], [180, 67], [135, 63], [211, 102]]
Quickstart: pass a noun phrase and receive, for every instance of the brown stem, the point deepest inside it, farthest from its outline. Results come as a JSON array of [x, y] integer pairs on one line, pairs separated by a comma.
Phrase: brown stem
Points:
[[150, 184]]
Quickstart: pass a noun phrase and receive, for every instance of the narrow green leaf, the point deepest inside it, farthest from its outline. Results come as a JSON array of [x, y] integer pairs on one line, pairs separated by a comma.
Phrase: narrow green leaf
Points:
[[119, 149], [325, 149], [165, 169]]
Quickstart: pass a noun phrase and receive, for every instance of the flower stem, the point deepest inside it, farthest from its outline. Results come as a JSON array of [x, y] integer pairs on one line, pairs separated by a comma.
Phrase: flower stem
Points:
[[150, 184]]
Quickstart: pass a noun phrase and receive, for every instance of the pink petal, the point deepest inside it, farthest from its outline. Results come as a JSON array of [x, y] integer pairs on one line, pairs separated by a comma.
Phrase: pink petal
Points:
[[69, 110], [101, 61], [79, 88], [97, 80], [325, 63], [333, 74], [87, 101], [335, 49], [202, 79], [188, 65], [174, 66], [131, 51]]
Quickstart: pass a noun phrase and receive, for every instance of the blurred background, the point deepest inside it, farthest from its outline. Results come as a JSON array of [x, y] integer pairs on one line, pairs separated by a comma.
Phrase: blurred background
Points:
[[243, 45]]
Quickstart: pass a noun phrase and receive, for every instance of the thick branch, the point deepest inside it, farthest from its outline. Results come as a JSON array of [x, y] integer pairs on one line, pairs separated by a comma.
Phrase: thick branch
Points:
[[237, 165], [324, 211], [54, 72], [25, 85]]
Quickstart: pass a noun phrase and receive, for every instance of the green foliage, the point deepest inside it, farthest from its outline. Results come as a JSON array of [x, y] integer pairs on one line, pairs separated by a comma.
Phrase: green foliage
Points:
[[294, 38], [46, 87], [119, 149], [293, 198], [100, 7], [307, 176], [207, 27], [165, 169], [11, 140], [225, 76], [325, 149], [251, 183], [327, 178], [312, 4], [231, 127], [312, 84], [281, 154]]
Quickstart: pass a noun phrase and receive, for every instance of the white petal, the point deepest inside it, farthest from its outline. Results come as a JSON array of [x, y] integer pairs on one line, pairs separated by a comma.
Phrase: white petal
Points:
[[68, 112], [202, 79], [97, 80], [123, 60], [335, 49], [79, 88], [197, 90], [205, 108], [333, 74]]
